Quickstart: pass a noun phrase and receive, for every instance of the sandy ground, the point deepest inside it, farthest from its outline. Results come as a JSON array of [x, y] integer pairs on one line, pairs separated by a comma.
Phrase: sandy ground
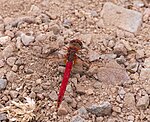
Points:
[[112, 71]]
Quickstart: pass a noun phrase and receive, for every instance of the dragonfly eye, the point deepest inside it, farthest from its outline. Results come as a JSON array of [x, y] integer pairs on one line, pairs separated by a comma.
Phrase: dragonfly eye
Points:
[[77, 43]]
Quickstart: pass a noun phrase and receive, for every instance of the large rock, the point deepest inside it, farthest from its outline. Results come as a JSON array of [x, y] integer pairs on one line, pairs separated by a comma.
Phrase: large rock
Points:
[[112, 73], [126, 19]]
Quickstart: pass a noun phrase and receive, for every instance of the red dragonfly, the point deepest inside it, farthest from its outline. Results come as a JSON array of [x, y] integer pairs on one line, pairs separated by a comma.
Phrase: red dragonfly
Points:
[[74, 47]]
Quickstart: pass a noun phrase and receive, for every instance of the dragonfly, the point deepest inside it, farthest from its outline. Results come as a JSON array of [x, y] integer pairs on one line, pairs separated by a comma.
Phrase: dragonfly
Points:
[[72, 59]]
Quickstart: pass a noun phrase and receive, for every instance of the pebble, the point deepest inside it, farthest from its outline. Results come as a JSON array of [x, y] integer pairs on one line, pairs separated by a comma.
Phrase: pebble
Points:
[[143, 102], [9, 33], [34, 10], [99, 119], [13, 94], [82, 111], [138, 3], [121, 92], [130, 118], [11, 61], [2, 27], [8, 51], [4, 40], [41, 37], [97, 85], [2, 63], [3, 117], [93, 55], [80, 89], [123, 18], [63, 109], [77, 118], [139, 53], [90, 91], [14, 68], [26, 40], [116, 109], [103, 109], [120, 49], [3, 84], [147, 63], [129, 100], [11, 76], [55, 29], [53, 95], [145, 74], [147, 87]]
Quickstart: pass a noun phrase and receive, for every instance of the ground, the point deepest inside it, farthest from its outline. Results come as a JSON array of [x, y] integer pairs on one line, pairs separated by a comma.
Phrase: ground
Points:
[[110, 80]]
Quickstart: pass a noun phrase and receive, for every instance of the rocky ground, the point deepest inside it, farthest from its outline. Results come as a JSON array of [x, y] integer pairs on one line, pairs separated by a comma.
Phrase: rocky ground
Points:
[[110, 81]]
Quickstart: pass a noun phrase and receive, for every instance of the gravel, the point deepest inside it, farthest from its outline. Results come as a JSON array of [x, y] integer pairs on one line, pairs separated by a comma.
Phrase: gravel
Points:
[[113, 65]]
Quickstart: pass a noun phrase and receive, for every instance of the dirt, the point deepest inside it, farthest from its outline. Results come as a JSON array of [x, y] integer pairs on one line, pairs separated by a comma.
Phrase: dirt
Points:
[[113, 66]]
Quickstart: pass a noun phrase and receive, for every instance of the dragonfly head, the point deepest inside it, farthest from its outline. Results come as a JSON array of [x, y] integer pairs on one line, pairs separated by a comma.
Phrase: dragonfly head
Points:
[[76, 43]]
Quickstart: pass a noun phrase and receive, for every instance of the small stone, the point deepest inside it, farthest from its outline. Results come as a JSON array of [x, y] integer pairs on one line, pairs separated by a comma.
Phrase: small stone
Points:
[[41, 37], [145, 74], [138, 3], [120, 49], [147, 88], [53, 95], [89, 91], [100, 23], [3, 117], [123, 18], [11, 76], [130, 118], [111, 43], [143, 102], [99, 119], [80, 89], [8, 51], [15, 68], [2, 63], [121, 93], [11, 61], [147, 63], [55, 29], [139, 53], [68, 99], [63, 109], [87, 38], [77, 118], [4, 40], [67, 23], [26, 40], [40, 96], [28, 70], [9, 33], [38, 81], [82, 111], [3, 84], [101, 110], [13, 94], [117, 109], [35, 10], [112, 120], [74, 103], [97, 85], [2, 27], [129, 100], [93, 55], [69, 88], [18, 43]]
